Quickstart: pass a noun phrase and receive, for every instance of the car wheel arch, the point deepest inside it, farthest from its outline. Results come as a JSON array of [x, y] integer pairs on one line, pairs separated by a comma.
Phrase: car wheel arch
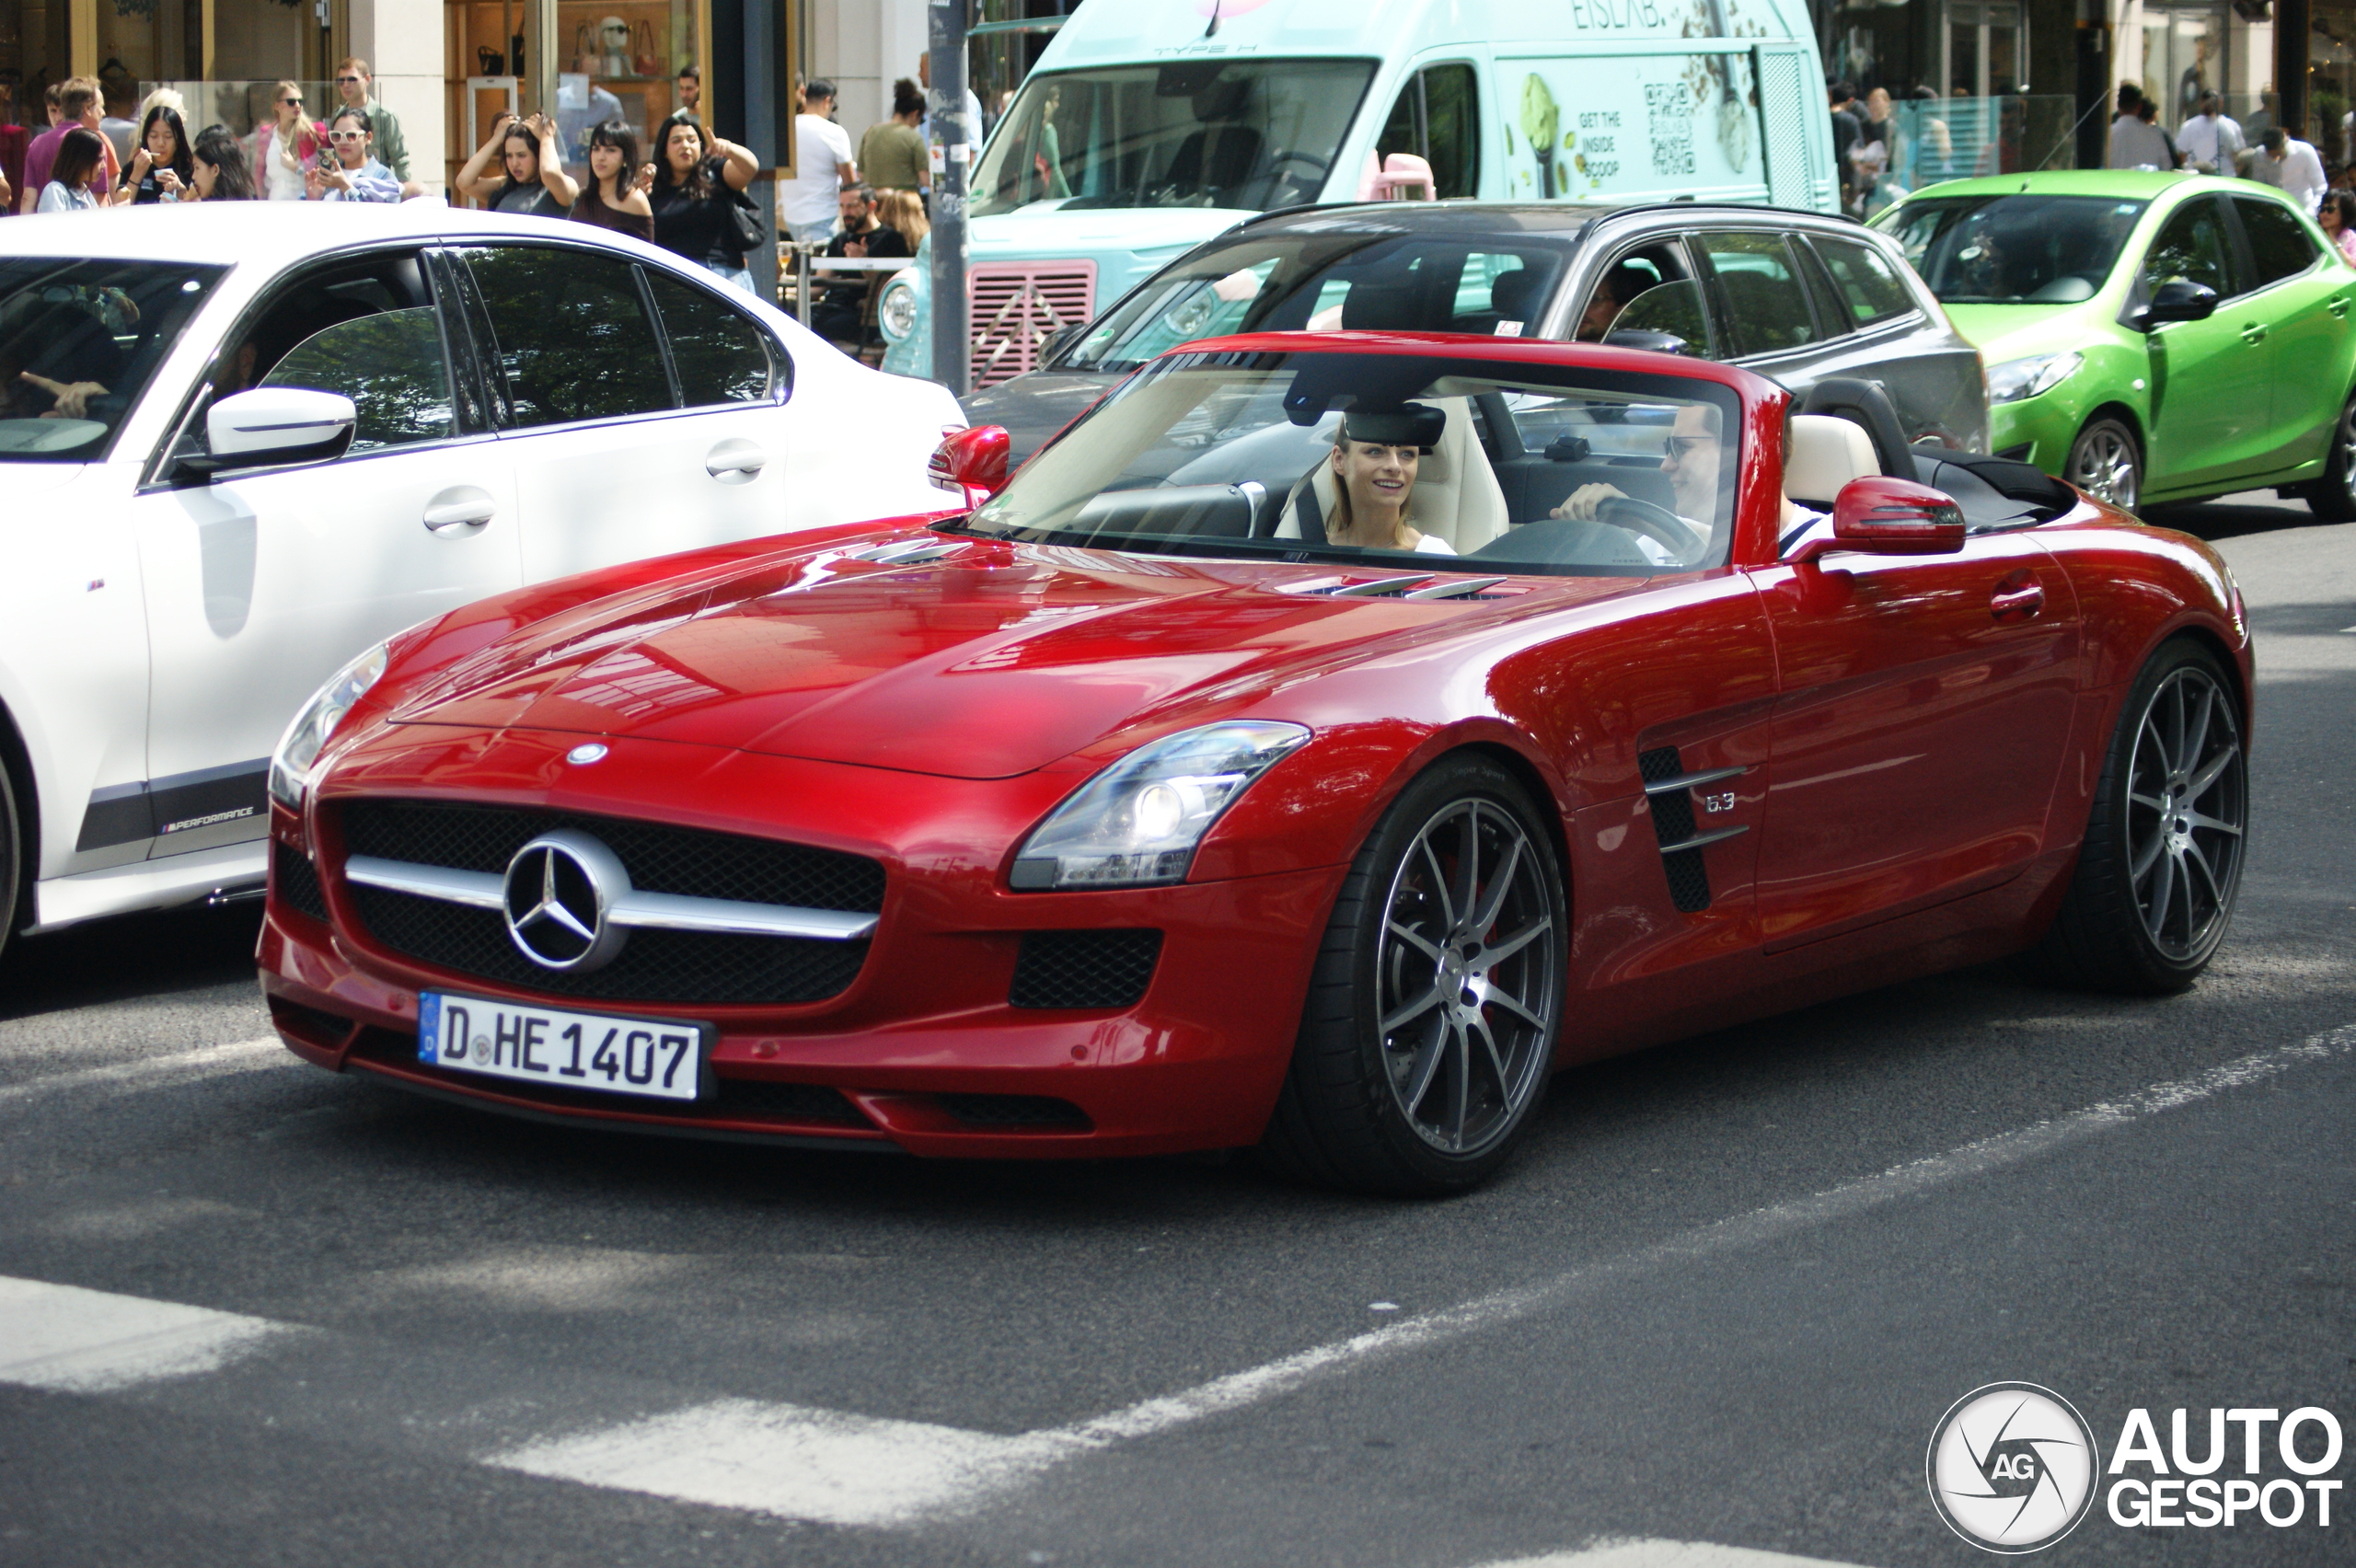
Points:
[[17, 765]]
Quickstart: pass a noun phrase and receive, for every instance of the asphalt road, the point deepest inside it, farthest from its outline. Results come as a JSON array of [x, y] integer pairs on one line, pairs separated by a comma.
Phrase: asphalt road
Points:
[[1722, 1299]]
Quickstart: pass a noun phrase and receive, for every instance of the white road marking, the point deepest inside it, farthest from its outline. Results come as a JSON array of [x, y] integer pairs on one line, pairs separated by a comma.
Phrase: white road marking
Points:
[[69, 1339], [832, 1468], [206, 1061], [1668, 1554], [802, 1463]]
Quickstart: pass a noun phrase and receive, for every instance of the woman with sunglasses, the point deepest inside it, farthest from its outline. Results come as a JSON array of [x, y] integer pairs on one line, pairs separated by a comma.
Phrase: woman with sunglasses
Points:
[[357, 176], [284, 145]]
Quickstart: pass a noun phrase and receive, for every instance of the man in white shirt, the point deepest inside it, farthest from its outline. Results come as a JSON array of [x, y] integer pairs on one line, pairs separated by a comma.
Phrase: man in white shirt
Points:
[[2212, 139], [2286, 161], [2136, 142], [812, 199]]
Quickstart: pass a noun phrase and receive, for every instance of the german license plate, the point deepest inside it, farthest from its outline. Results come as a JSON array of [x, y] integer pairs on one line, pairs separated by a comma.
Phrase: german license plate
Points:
[[568, 1049]]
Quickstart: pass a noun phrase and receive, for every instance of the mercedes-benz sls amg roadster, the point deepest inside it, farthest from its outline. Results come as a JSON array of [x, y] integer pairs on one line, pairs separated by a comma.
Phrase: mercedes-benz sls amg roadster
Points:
[[1320, 743]]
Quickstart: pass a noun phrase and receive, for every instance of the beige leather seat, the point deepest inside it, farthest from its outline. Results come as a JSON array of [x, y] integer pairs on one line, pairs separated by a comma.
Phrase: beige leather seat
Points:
[[1827, 453], [1456, 497]]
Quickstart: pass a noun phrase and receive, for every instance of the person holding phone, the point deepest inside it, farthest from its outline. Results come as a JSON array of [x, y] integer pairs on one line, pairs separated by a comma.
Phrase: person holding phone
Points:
[[356, 174], [531, 179]]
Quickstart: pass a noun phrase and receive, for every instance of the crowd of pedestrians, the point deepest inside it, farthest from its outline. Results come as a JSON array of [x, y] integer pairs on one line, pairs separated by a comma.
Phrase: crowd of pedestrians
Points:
[[2212, 142]]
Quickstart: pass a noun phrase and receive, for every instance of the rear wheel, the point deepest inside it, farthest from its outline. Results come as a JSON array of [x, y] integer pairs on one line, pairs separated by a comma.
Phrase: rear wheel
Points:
[[1430, 1024], [2161, 861], [2107, 462], [2333, 497]]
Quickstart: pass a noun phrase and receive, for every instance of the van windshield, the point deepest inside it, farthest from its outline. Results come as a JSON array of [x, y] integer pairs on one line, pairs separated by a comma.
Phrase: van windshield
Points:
[[1245, 134], [2013, 249], [1375, 278]]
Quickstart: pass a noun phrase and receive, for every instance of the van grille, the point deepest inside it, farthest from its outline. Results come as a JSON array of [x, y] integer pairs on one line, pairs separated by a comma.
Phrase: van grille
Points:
[[1017, 307]]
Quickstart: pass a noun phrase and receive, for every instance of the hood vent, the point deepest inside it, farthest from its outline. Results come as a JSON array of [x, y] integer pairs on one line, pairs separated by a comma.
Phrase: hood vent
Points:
[[1420, 586]]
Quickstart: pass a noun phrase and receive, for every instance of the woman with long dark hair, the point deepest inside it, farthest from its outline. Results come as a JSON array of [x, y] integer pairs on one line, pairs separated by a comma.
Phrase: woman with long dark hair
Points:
[[80, 155], [612, 199], [697, 180], [163, 170], [532, 178], [221, 172]]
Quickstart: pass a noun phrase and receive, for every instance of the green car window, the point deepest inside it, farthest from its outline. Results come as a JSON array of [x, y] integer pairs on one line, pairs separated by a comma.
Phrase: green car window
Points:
[[2192, 248], [2017, 249], [2278, 241]]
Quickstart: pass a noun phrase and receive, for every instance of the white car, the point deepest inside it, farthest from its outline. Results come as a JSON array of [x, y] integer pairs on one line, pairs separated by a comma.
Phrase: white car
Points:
[[241, 442]]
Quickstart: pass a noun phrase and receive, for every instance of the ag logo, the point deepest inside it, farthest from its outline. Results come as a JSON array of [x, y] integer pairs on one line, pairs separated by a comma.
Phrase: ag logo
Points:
[[2012, 1467]]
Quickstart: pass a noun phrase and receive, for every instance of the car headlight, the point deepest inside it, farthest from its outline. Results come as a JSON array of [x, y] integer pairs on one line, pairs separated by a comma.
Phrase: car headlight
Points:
[[289, 765], [2015, 379], [896, 311], [1138, 822]]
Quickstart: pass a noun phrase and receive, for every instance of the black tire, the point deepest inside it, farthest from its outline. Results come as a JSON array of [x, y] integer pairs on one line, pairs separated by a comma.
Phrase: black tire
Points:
[[2175, 797], [2333, 498], [1472, 971], [14, 886], [2107, 462]]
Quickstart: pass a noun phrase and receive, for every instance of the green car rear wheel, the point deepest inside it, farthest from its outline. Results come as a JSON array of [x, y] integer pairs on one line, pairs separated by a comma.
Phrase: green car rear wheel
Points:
[[2333, 497]]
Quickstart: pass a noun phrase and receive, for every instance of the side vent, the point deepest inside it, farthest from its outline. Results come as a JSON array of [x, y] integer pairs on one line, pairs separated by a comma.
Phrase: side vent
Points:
[[1688, 879]]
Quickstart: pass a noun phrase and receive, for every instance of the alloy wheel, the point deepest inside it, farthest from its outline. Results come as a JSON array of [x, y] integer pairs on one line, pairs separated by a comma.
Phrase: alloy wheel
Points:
[[2187, 809], [1466, 981], [2104, 465]]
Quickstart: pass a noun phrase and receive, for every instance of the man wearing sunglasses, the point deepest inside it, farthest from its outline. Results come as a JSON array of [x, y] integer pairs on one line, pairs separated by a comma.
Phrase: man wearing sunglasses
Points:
[[352, 83], [1690, 455]]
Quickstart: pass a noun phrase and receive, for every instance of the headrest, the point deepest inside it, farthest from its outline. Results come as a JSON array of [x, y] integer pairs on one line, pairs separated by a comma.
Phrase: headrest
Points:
[[1826, 454], [1509, 293], [1407, 425], [1372, 306]]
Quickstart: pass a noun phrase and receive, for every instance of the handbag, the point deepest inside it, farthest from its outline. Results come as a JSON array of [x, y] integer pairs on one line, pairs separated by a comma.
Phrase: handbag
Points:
[[747, 216]]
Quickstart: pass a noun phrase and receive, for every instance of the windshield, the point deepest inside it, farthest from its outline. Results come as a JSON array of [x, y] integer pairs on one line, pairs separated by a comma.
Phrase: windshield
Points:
[[1415, 462], [1248, 135], [2013, 249], [78, 341], [1324, 281]]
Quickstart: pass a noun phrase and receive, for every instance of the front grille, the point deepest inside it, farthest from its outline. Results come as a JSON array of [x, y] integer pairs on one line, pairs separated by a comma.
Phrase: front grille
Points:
[[1084, 969], [1688, 879], [296, 882], [660, 858], [1013, 1111], [1017, 307], [676, 968]]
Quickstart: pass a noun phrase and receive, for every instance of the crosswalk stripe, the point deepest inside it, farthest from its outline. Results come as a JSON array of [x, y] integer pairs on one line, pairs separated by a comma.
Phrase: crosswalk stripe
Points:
[[820, 1465], [206, 1061], [1668, 1554], [69, 1339]]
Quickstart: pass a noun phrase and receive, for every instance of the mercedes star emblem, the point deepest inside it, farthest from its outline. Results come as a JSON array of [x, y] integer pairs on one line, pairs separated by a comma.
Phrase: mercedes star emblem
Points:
[[560, 888]]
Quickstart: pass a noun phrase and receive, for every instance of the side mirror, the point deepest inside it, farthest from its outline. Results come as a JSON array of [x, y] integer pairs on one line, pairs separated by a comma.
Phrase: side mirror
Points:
[[1653, 342], [1055, 342], [2178, 299], [972, 462], [1880, 516], [272, 425]]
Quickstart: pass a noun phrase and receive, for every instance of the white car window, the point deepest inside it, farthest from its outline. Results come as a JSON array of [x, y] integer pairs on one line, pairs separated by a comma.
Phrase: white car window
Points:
[[573, 340], [393, 368], [720, 357]]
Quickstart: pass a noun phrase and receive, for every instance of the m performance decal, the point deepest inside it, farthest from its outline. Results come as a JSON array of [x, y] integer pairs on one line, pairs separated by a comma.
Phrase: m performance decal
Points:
[[182, 803]]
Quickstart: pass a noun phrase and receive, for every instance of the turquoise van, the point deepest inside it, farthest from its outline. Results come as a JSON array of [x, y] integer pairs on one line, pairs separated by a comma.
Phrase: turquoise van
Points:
[[1150, 125]]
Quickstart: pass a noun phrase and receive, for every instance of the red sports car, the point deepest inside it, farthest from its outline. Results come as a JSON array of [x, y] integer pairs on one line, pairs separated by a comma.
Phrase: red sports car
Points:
[[1323, 741]]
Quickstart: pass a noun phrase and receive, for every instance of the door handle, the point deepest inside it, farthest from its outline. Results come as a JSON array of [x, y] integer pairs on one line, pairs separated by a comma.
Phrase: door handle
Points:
[[735, 462], [2340, 306], [2022, 601], [2252, 332], [459, 510]]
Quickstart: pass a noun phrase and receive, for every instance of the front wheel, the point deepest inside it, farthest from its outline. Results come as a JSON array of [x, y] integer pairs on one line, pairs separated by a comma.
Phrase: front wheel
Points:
[[2333, 498], [2162, 861], [1429, 1028], [2107, 462]]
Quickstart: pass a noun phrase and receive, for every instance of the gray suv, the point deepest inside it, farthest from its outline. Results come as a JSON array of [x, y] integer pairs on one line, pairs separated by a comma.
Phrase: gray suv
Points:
[[1796, 296]]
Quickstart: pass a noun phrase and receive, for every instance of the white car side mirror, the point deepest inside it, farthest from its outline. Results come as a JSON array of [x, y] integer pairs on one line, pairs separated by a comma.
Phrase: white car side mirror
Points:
[[274, 424]]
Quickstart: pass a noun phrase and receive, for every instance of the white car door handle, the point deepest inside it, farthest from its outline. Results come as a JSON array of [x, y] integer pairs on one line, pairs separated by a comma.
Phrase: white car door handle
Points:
[[459, 510], [734, 462]]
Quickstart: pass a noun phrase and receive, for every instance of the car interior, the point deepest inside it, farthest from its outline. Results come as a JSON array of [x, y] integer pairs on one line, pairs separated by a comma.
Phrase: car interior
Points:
[[84, 336]]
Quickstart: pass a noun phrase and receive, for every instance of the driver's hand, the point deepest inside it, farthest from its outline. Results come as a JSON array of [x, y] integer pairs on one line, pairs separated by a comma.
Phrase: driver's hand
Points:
[[1581, 504], [73, 397]]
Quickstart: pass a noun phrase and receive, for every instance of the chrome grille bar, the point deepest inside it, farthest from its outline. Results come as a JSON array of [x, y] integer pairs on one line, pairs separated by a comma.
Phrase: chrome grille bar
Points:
[[636, 908]]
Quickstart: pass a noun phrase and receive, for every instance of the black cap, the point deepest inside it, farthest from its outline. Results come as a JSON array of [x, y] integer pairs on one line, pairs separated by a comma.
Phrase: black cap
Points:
[[1403, 424]]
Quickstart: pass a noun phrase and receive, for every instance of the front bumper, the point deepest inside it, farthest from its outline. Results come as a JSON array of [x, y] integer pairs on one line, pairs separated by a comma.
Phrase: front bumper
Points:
[[925, 1050]]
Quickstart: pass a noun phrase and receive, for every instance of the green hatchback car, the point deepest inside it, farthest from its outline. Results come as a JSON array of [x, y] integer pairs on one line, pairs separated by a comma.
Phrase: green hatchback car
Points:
[[2150, 337]]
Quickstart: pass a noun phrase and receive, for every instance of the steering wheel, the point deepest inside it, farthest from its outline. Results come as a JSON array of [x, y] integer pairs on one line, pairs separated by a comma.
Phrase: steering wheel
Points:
[[1658, 523], [1317, 168]]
